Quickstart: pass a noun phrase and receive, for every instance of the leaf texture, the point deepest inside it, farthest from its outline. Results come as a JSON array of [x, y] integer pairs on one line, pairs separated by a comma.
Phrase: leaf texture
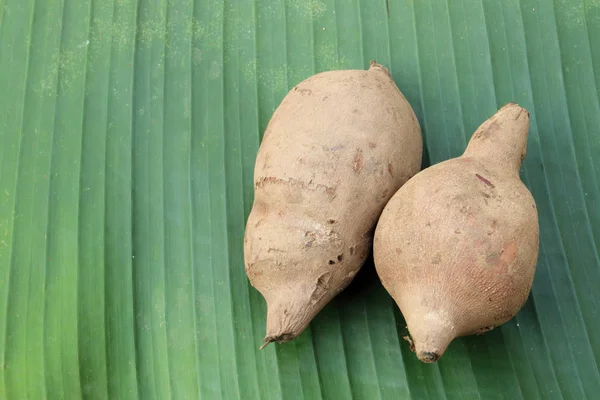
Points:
[[128, 134]]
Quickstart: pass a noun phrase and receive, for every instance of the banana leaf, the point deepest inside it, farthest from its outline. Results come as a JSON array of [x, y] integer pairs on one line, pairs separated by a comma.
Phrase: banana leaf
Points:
[[128, 134]]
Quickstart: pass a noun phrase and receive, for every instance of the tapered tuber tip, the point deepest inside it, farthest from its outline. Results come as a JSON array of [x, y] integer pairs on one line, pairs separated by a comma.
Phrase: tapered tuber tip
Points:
[[373, 65], [502, 137], [522, 111], [266, 341], [284, 337], [430, 333], [428, 357]]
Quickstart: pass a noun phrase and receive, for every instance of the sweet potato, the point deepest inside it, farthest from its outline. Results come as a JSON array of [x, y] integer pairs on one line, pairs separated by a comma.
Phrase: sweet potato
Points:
[[457, 245], [335, 150]]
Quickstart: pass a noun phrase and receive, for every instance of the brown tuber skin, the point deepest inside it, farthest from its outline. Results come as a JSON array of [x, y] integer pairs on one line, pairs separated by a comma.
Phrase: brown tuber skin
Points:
[[457, 245], [336, 149]]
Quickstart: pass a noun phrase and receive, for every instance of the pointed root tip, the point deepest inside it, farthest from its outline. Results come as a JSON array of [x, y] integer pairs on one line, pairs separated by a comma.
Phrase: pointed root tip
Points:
[[374, 65], [282, 338], [428, 357], [266, 342]]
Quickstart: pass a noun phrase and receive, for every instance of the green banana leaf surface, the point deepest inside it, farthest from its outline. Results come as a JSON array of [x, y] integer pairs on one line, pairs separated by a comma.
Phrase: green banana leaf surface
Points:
[[128, 135]]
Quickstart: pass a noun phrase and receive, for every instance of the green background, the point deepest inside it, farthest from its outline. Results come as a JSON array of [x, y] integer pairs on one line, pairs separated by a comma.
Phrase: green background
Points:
[[128, 133]]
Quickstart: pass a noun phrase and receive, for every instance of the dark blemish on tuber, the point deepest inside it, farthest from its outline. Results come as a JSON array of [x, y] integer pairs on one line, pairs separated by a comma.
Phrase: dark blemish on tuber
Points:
[[492, 258], [483, 330], [331, 262], [311, 240], [482, 179], [340, 257], [493, 227], [519, 114], [322, 280], [494, 126], [261, 182], [331, 221], [321, 287], [428, 357], [390, 169], [352, 249], [303, 91], [334, 148], [358, 162], [410, 342]]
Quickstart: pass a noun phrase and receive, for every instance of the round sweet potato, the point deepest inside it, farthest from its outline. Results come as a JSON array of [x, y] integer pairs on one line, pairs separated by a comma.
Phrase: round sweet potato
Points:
[[457, 245]]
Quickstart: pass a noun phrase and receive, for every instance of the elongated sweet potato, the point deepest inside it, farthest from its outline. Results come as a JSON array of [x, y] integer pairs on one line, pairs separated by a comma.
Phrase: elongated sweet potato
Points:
[[336, 149]]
